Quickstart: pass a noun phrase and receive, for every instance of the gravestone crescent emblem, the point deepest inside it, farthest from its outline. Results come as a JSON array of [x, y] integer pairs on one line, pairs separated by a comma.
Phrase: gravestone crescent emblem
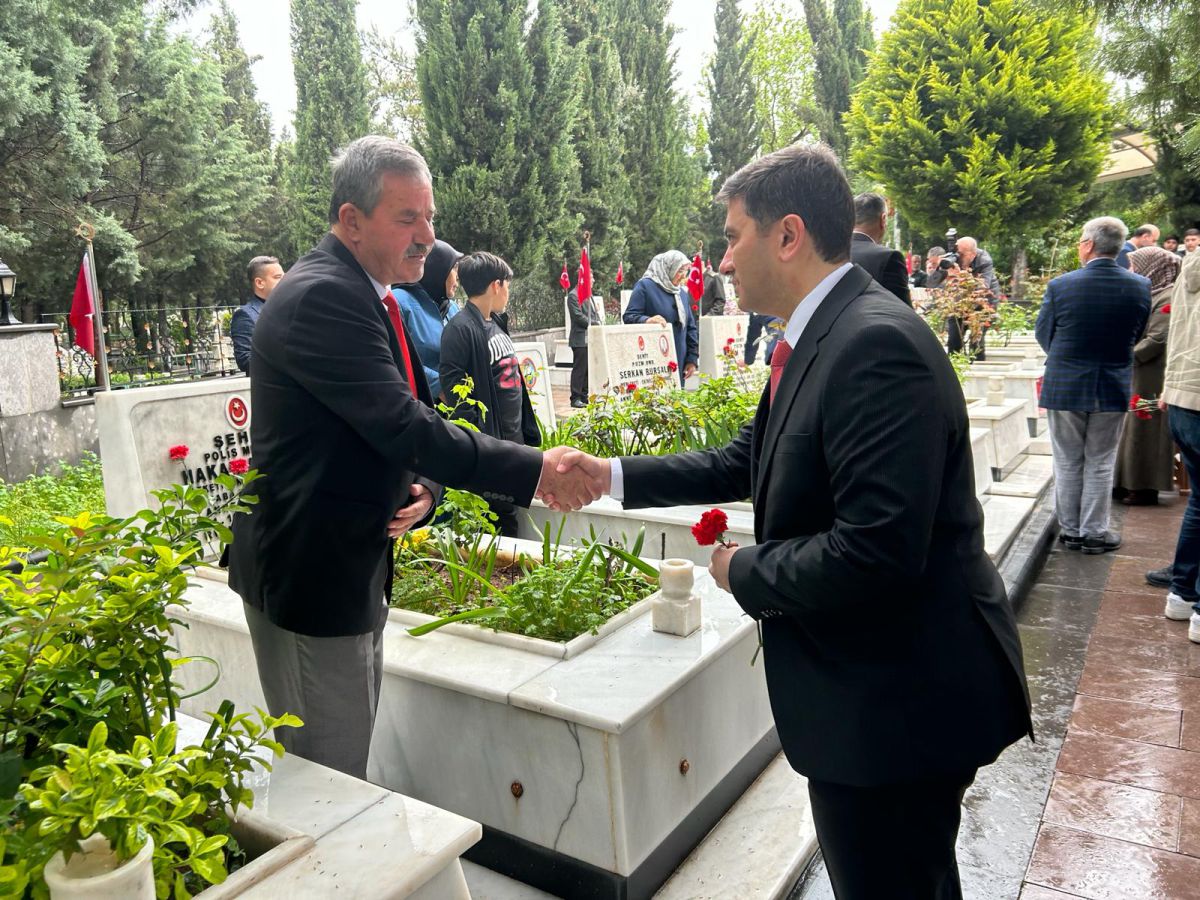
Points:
[[237, 413], [663, 347], [641, 342]]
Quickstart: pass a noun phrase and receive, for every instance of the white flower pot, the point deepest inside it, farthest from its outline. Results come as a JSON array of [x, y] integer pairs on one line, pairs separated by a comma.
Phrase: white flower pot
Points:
[[95, 874]]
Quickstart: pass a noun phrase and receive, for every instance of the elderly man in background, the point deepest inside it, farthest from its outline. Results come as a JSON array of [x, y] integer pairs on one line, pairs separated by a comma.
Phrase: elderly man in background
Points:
[[977, 263], [1088, 324], [882, 263], [263, 273], [1143, 236]]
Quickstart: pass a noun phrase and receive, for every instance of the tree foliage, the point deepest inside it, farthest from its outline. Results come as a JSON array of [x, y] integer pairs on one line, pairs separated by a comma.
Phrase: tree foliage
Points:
[[732, 113], [782, 71], [841, 37], [1001, 105], [331, 104]]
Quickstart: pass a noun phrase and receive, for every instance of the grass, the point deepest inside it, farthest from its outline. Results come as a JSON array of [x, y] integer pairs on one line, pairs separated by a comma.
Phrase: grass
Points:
[[32, 504]]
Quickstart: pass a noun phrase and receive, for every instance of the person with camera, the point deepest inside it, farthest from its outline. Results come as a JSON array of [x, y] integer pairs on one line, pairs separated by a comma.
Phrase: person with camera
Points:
[[964, 256]]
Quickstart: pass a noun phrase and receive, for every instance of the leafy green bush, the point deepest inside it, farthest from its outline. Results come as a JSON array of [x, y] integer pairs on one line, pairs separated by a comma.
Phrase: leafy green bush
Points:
[[33, 504]]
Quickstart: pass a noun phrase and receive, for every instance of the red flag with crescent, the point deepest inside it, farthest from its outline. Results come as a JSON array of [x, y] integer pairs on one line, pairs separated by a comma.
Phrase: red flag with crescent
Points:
[[564, 279], [695, 282], [621, 272], [583, 286]]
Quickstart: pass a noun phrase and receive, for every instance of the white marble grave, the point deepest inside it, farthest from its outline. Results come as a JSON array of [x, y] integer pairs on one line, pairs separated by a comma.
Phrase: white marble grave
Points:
[[620, 355], [981, 456], [138, 428], [531, 356], [1005, 418], [715, 334], [325, 834], [584, 765]]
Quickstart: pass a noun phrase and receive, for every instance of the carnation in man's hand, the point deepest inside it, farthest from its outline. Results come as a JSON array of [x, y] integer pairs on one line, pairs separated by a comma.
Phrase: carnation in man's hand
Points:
[[711, 528]]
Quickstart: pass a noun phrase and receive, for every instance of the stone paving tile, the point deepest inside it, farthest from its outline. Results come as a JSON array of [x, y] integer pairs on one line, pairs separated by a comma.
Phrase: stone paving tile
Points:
[[1179, 656], [986, 884], [1128, 575], [1036, 892], [1110, 678], [1189, 828], [1115, 605], [1153, 548], [1059, 607], [1120, 718], [1133, 763], [1114, 810], [1101, 868], [1153, 629], [1075, 570], [1189, 738]]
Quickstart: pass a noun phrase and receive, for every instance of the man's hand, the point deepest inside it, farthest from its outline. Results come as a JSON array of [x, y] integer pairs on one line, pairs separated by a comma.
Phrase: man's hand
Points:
[[689, 370], [568, 481], [419, 505], [718, 566], [656, 320], [1162, 404]]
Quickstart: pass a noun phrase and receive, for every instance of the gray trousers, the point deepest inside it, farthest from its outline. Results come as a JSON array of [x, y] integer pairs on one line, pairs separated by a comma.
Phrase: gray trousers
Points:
[[1085, 456], [331, 683]]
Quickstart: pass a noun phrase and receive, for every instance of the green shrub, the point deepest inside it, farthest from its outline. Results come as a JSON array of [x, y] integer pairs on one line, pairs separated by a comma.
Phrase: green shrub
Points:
[[33, 504]]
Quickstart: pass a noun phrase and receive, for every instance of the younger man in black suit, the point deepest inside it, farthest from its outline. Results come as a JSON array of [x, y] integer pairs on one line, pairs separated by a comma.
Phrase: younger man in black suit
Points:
[[883, 264]]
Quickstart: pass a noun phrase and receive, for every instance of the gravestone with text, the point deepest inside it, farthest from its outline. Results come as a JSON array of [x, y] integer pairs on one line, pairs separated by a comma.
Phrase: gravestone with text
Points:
[[625, 356], [531, 356], [719, 336], [152, 438]]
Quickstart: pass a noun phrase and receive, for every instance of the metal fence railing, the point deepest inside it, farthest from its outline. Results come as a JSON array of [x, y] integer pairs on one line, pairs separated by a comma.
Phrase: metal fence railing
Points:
[[157, 345]]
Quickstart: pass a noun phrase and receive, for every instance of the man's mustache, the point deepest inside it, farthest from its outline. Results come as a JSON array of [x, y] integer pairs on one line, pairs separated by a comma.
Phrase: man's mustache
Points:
[[419, 250]]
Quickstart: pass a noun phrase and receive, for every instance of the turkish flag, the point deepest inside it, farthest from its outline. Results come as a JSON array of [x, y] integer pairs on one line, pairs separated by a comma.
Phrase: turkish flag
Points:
[[621, 272], [564, 279], [583, 285], [695, 282], [83, 310]]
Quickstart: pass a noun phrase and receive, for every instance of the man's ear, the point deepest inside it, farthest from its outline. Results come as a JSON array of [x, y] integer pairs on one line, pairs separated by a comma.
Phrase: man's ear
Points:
[[792, 233], [350, 218]]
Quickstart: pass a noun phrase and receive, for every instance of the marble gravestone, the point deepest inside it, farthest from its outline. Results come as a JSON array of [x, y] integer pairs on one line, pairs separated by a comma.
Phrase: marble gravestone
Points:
[[531, 357], [715, 334], [621, 355], [139, 428]]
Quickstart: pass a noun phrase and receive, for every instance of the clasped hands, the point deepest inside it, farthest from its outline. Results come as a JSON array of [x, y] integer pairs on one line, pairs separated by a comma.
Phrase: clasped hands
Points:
[[571, 479]]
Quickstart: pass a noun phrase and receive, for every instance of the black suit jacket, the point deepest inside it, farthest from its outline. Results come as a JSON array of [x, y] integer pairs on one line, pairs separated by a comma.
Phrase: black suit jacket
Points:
[[882, 263], [340, 437], [891, 650]]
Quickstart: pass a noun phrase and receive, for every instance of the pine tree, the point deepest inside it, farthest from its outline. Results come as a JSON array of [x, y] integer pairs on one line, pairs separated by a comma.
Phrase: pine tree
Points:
[[331, 104], [840, 37], [992, 118], [601, 203], [242, 105], [500, 105], [656, 132], [733, 133]]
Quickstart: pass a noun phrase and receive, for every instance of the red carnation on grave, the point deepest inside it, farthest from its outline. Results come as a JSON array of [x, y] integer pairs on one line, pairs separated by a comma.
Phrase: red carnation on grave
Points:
[[729, 342], [695, 307], [711, 528], [238, 466], [1167, 308], [179, 452], [672, 366], [631, 387]]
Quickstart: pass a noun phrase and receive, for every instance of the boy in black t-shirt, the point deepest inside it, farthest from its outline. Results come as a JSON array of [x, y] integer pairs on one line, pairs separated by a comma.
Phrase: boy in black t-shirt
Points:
[[476, 344]]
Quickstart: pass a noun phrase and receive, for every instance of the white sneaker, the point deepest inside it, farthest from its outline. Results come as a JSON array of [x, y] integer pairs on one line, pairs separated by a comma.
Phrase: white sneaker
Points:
[[1179, 609], [1194, 629]]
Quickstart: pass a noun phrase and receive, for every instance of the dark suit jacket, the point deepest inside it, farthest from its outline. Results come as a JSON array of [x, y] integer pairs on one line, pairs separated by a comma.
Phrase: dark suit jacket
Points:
[[882, 263], [1089, 321], [581, 317], [1123, 255], [340, 437], [241, 330], [891, 650]]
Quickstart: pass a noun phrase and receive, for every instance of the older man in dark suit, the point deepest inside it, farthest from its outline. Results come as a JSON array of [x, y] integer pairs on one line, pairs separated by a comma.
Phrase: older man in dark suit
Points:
[[892, 657], [1088, 324], [882, 263], [352, 455]]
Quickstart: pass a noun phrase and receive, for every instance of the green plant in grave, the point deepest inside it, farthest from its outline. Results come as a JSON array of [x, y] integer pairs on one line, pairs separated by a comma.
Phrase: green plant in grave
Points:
[[1013, 318], [961, 361], [84, 642]]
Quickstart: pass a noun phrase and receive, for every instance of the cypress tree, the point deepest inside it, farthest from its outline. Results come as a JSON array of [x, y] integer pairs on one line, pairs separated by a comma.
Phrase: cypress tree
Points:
[[331, 104], [242, 106], [841, 36], [1003, 105], [500, 107], [733, 132]]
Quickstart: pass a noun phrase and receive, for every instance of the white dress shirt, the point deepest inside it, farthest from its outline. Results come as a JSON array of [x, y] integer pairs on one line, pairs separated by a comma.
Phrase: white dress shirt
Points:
[[798, 321]]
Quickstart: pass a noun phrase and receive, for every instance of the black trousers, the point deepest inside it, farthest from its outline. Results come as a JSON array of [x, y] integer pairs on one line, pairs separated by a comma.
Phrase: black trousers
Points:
[[579, 373], [894, 842]]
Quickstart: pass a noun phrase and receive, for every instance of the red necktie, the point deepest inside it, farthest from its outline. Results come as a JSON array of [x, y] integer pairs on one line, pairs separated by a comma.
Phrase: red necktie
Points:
[[779, 358], [393, 311]]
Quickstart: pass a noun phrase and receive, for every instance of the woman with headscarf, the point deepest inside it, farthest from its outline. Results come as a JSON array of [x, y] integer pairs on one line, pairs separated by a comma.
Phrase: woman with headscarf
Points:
[[658, 298], [427, 306], [1145, 460]]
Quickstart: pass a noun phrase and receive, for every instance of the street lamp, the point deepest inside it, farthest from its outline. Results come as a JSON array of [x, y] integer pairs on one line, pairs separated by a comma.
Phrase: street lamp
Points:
[[8, 285]]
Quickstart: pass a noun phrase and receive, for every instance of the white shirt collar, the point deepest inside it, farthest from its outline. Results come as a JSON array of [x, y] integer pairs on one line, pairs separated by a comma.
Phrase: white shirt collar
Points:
[[808, 306], [380, 289]]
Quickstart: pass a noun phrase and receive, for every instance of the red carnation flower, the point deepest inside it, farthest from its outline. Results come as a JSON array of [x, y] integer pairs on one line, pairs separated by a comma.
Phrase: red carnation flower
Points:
[[631, 387], [179, 452], [729, 342], [711, 528], [238, 466], [1143, 414], [1167, 308], [695, 307], [1134, 401], [672, 366]]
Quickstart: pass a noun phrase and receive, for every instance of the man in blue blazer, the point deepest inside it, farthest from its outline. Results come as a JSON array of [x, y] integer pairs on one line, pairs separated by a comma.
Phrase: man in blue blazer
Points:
[[1089, 321], [264, 273]]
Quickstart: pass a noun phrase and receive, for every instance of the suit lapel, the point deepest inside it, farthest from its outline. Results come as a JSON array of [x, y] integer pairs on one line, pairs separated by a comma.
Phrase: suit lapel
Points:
[[853, 283]]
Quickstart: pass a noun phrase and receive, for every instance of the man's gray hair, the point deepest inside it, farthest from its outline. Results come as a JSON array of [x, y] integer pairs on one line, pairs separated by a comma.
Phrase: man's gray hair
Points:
[[359, 167], [1107, 235], [868, 208]]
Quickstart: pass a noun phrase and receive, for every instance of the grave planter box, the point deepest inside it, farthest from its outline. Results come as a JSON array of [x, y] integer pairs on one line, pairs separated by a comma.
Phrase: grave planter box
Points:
[[594, 770]]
